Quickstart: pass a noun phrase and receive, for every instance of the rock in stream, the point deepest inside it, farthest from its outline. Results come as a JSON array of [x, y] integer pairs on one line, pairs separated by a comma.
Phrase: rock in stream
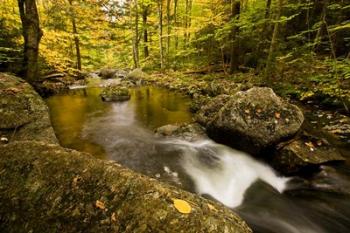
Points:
[[251, 120]]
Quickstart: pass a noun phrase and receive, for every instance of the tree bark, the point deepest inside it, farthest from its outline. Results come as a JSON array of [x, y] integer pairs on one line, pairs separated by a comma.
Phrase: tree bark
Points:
[[160, 27], [76, 36], [274, 40], [136, 56], [145, 31], [188, 10], [32, 35], [189, 20], [186, 24], [322, 29], [175, 23], [235, 12], [168, 26], [268, 9]]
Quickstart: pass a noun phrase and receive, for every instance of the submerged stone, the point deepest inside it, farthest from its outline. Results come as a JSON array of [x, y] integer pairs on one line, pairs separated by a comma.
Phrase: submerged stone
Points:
[[46, 188], [189, 132]]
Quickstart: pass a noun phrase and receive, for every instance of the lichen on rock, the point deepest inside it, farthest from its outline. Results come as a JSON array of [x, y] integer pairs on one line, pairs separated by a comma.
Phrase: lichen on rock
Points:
[[115, 93], [251, 120], [305, 151], [23, 113]]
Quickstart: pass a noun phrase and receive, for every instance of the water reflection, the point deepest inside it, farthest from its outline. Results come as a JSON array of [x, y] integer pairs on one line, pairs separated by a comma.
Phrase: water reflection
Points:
[[151, 107]]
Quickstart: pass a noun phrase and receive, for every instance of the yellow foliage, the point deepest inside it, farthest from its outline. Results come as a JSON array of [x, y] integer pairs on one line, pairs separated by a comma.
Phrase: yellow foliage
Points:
[[182, 206]]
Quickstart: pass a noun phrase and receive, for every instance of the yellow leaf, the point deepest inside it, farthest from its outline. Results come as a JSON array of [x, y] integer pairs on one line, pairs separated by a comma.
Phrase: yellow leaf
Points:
[[182, 206], [113, 217], [212, 208], [100, 205]]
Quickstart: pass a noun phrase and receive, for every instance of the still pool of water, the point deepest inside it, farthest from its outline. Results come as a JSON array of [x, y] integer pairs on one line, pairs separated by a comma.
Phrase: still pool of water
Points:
[[124, 132], [72, 112]]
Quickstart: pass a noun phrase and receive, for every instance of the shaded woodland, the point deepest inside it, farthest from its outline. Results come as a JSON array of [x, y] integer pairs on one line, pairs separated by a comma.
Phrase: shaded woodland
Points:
[[280, 40]]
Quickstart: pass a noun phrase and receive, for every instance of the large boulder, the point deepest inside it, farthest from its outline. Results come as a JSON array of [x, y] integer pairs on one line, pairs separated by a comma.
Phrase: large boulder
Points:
[[115, 93], [251, 120], [23, 113], [46, 188]]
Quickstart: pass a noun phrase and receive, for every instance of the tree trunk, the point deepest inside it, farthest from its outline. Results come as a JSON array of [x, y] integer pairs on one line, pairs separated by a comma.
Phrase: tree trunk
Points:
[[274, 40], [135, 43], [32, 35], [189, 21], [268, 9], [76, 37], [168, 26], [160, 27], [322, 29], [145, 31], [186, 24], [235, 12], [175, 23]]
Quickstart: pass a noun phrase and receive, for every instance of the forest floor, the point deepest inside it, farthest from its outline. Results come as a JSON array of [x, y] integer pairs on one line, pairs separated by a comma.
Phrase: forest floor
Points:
[[327, 96]]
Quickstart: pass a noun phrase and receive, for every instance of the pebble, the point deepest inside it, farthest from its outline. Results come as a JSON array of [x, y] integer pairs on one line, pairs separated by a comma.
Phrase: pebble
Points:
[[4, 140]]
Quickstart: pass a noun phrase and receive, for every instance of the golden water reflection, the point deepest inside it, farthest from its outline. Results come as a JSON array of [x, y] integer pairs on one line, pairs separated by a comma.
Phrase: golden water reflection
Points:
[[152, 107]]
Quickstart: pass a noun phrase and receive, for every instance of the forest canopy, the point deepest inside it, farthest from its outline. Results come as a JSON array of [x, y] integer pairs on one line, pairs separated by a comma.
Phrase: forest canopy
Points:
[[266, 37]]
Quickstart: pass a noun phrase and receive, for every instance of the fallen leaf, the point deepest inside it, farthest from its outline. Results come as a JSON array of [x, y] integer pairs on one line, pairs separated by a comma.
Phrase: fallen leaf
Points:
[[310, 145], [182, 206], [76, 180], [113, 217], [211, 207], [247, 111], [100, 205], [12, 90]]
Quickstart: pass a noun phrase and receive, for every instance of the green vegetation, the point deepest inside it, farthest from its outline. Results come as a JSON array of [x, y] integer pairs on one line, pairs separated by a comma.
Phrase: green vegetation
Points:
[[301, 48]]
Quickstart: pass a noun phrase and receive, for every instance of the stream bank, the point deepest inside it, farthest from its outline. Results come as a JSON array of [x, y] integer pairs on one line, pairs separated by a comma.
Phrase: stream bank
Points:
[[45, 187]]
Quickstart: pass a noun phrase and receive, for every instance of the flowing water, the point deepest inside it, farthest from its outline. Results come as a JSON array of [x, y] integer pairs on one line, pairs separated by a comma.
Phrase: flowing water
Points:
[[124, 132]]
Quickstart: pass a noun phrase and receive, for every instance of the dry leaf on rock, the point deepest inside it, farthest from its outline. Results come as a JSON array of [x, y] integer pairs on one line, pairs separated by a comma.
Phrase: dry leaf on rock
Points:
[[212, 208], [100, 205], [182, 206]]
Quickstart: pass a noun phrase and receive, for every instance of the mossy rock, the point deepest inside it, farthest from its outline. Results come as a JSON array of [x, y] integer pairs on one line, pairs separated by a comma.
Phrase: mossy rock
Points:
[[23, 113], [304, 152], [137, 74], [189, 132], [46, 188], [115, 93], [251, 120]]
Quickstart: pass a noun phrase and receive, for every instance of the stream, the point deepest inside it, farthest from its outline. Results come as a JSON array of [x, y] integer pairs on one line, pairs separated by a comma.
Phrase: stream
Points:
[[124, 132]]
